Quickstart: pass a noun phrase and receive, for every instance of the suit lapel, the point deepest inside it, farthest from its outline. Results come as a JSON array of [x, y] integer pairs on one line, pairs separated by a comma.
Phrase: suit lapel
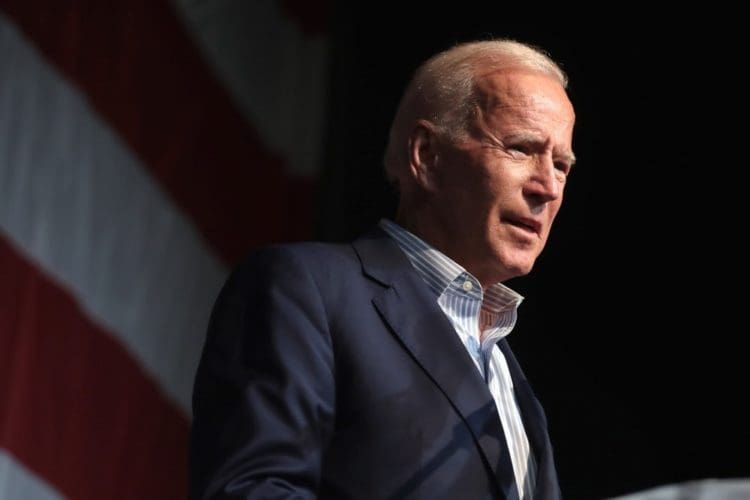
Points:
[[414, 316], [535, 424]]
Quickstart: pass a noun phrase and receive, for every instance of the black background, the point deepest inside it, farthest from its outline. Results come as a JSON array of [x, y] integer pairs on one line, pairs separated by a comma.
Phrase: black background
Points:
[[633, 328]]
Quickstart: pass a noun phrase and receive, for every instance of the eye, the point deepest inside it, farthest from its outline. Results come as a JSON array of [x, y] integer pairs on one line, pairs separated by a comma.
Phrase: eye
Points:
[[518, 150], [562, 167]]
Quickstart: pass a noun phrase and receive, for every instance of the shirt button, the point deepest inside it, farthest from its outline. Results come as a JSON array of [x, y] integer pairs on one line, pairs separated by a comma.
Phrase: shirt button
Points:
[[467, 285]]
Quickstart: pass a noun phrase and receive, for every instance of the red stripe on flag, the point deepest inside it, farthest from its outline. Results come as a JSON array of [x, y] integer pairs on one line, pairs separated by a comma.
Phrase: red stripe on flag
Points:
[[75, 408], [141, 71]]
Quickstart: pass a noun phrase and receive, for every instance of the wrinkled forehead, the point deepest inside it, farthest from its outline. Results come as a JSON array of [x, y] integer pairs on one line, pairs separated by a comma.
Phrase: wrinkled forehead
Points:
[[522, 87], [528, 105]]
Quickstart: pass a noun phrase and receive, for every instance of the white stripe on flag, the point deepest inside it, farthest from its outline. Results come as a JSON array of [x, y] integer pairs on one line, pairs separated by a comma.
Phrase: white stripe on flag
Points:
[[276, 73], [78, 203], [19, 483]]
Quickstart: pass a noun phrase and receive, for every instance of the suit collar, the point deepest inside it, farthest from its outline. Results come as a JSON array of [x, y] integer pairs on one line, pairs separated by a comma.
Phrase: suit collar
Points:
[[380, 257], [413, 315]]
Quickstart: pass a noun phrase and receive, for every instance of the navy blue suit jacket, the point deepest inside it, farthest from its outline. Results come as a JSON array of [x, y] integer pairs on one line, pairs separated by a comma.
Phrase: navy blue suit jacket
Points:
[[329, 371]]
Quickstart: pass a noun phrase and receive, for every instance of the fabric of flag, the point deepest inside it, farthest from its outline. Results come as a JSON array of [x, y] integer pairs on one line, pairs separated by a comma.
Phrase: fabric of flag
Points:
[[145, 147]]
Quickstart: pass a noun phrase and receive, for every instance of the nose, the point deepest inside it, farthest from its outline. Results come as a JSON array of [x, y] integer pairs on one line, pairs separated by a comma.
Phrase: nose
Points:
[[544, 184]]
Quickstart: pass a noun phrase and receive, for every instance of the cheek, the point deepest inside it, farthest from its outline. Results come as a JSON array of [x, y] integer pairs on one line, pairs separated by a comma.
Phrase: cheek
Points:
[[554, 208]]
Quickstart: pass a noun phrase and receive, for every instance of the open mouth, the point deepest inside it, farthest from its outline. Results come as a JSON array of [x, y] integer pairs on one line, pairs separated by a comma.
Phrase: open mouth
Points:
[[528, 225]]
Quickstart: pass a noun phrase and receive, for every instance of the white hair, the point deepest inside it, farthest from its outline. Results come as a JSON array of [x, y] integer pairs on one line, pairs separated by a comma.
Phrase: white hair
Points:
[[442, 90]]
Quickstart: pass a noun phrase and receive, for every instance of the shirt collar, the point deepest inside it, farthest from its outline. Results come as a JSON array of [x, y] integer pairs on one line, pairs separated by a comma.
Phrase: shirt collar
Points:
[[439, 271]]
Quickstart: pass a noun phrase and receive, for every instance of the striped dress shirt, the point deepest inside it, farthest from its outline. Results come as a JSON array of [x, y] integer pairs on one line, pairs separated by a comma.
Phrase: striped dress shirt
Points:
[[480, 318]]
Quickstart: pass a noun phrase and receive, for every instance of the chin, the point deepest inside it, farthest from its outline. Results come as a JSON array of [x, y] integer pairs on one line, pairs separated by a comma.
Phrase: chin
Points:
[[518, 271], [515, 266]]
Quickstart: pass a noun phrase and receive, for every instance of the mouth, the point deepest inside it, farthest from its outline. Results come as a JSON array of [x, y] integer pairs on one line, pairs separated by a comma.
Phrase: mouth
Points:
[[526, 224]]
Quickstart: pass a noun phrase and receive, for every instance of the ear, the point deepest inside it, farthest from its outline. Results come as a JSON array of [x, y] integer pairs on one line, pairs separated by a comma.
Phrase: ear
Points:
[[423, 154]]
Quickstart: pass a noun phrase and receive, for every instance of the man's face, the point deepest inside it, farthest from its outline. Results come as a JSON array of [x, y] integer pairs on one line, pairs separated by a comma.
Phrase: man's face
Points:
[[497, 191]]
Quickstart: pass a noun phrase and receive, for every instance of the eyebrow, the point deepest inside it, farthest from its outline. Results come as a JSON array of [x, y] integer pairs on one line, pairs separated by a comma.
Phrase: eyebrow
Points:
[[569, 158]]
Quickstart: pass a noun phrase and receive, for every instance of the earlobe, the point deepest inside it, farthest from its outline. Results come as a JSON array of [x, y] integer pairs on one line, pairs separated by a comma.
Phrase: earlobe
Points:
[[423, 153]]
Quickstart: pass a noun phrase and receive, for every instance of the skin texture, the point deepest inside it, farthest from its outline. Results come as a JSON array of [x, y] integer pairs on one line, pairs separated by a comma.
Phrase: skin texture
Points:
[[488, 199]]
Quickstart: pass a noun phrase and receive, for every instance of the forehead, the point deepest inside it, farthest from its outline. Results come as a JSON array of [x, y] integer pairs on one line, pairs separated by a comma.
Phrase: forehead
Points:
[[524, 93]]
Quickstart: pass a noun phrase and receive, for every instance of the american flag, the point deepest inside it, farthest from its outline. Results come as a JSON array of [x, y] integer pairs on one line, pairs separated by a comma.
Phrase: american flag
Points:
[[145, 146]]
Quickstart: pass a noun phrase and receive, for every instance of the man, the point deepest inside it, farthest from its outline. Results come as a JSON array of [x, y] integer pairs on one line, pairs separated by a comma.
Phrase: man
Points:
[[379, 369]]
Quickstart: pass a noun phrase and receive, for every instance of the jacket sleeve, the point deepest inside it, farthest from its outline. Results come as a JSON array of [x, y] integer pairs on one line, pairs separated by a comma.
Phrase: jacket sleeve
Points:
[[264, 394]]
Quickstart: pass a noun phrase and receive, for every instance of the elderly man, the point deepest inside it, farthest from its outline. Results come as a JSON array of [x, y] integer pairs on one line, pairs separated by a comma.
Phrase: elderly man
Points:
[[379, 369]]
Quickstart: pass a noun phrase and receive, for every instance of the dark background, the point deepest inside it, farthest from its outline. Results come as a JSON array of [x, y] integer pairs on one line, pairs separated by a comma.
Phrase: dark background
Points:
[[633, 329]]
